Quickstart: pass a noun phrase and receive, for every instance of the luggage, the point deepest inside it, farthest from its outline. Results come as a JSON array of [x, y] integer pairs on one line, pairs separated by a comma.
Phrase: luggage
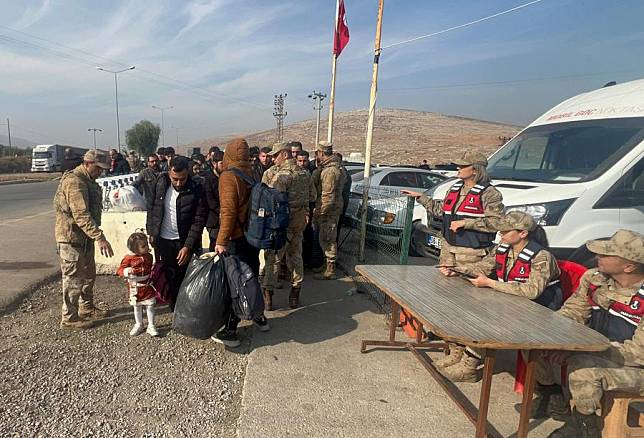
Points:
[[159, 283], [204, 300], [245, 290], [126, 199], [268, 214]]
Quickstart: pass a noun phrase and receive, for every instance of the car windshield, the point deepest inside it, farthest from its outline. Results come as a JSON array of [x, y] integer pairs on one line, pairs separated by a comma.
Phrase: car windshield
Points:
[[42, 154], [566, 152], [359, 176]]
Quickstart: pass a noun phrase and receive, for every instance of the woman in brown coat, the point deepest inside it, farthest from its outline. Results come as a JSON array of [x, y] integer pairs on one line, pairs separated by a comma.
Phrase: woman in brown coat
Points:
[[234, 203]]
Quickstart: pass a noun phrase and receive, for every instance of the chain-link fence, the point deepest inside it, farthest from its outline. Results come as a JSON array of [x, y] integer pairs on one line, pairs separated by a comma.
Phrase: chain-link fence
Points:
[[387, 238]]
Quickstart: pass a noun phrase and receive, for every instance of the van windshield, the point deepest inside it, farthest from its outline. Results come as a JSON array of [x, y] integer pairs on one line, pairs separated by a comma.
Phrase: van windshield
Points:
[[566, 152]]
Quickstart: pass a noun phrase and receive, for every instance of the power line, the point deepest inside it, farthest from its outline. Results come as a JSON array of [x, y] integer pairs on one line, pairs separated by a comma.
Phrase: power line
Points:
[[167, 81], [489, 17]]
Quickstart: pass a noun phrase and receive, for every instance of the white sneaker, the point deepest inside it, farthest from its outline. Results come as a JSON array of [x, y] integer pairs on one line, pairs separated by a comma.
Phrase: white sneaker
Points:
[[152, 331], [137, 330]]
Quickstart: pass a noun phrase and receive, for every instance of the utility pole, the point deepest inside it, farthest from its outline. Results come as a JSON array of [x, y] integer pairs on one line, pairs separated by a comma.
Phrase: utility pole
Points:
[[279, 114], [94, 131], [162, 109], [116, 90], [9, 132], [370, 120], [176, 131], [317, 106]]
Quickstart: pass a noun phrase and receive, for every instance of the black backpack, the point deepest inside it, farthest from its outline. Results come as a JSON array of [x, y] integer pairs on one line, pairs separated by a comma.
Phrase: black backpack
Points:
[[245, 290], [268, 214]]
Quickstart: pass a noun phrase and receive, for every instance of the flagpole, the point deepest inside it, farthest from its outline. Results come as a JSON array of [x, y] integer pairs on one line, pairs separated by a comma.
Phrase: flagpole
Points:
[[370, 121], [332, 93]]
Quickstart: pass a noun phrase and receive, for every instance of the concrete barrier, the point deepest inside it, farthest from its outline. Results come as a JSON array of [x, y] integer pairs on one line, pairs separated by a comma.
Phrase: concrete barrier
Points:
[[117, 228]]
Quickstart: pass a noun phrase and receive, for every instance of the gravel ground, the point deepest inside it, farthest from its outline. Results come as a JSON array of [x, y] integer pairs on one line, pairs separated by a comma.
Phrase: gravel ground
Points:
[[102, 382]]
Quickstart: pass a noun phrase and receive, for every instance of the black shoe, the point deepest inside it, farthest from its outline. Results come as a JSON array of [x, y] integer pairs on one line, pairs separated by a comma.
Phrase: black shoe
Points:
[[262, 323], [227, 337]]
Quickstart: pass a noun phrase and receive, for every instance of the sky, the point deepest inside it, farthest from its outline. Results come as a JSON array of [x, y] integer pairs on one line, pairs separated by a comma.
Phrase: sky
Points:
[[220, 62]]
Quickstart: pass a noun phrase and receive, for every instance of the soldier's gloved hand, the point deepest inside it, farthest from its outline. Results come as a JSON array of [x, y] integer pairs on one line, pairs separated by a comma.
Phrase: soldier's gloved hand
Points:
[[183, 256], [106, 248]]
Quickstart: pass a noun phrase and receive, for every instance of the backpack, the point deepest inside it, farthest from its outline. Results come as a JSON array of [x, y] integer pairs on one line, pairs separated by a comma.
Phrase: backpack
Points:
[[244, 287], [159, 283], [268, 214]]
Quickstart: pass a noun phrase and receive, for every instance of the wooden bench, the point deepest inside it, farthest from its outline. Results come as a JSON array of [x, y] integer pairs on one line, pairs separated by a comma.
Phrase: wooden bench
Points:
[[623, 415]]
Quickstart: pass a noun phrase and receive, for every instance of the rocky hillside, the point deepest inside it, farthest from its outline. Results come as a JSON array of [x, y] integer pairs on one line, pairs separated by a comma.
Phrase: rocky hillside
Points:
[[400, 136]]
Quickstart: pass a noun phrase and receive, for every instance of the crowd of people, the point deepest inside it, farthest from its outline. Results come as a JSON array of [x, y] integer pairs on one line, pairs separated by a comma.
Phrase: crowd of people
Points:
[[609, 298], [185, 195]]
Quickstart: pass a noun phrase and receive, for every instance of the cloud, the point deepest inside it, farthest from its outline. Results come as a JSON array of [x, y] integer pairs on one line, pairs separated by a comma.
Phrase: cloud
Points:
[[32, 15], [197, 12]]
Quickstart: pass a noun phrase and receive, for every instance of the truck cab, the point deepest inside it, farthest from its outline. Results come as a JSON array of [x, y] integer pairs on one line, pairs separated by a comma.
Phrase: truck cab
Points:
[[577, 170], [45, 158]]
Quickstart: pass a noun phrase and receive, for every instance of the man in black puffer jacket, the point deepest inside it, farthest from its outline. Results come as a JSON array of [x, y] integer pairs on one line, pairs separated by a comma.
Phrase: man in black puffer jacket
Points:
[[175, 221]]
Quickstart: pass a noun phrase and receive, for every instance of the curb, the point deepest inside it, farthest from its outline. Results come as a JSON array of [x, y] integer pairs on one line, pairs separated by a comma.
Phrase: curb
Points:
[[12, 303]]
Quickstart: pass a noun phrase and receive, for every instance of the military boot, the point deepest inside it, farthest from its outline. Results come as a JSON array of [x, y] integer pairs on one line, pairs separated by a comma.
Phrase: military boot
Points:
[[579, 426], [464, 371], [548, 402], [455, 355], [93, 313], [268, 300], [294, 297], [79, 324], [328, 274]]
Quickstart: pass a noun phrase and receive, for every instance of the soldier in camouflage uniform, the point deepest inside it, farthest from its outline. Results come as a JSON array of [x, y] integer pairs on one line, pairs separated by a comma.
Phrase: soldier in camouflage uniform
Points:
[[287, 176], [471, 213], [329, 180], [609, 299], [78, 205]]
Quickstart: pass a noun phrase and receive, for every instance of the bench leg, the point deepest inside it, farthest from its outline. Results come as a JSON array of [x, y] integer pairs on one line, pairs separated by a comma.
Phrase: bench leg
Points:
[[528, 390]]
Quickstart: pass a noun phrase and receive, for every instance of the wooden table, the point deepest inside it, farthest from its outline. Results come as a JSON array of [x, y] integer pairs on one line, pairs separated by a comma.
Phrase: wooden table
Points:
[[455, 310]]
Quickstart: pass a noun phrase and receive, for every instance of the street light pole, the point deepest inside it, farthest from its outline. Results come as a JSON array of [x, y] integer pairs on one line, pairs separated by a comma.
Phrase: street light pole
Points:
[[162, 109], [317, 105], [94, 130], [116, 90]]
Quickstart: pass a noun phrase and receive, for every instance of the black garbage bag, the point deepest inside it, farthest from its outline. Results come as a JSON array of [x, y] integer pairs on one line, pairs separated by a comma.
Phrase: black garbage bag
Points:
[[245, 290], [204, 300]]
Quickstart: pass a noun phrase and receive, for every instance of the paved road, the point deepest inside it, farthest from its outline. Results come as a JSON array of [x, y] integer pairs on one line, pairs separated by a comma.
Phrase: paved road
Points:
[[28, 249]]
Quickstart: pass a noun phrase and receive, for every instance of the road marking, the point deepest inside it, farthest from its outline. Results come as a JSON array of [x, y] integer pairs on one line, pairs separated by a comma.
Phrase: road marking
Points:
[[13, 221]]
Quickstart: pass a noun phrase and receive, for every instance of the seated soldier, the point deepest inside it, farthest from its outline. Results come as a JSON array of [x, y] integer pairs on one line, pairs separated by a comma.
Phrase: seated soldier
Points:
[[609, 299], [520, 264]]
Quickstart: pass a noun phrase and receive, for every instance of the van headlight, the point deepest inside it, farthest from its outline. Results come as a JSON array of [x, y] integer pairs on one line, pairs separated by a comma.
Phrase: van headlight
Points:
[[546, 213]]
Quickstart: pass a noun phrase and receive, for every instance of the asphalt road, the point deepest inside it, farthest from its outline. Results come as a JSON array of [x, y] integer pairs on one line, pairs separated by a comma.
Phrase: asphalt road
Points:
[[27, 245]]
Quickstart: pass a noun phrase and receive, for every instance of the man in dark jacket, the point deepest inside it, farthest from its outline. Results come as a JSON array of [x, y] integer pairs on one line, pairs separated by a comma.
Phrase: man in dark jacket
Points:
[[175, 221], [119, 165], [212, 196], [147, 179]]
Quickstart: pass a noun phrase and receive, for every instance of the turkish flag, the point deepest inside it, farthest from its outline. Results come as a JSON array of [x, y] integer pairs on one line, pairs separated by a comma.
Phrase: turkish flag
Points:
[[341, 36]]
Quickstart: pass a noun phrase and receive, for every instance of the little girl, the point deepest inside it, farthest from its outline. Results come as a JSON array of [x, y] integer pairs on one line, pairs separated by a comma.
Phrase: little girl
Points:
[[136, 267]]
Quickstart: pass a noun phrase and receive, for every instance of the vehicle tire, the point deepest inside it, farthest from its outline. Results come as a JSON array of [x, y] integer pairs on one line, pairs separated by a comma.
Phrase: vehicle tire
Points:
[[417, 245], [584, 257]]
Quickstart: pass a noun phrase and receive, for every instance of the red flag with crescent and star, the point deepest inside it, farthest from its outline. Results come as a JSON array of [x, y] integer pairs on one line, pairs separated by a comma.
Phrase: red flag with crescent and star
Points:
[[341, 37]]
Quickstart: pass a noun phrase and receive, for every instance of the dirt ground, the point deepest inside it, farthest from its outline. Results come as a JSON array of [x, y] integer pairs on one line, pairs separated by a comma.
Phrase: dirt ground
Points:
[[27, 177], [102, 382]]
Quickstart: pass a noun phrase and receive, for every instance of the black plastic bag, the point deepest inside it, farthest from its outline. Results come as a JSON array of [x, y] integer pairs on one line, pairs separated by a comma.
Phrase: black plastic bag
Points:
[[204, 300], [245, 290]]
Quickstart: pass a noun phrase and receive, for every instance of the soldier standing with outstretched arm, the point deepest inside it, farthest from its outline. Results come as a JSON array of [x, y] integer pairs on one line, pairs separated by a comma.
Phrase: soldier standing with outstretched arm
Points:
[[78, 206]]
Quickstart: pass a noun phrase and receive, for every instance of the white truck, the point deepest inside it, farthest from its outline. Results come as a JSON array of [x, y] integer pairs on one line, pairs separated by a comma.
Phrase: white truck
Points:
[[56, 157], [577, 170]]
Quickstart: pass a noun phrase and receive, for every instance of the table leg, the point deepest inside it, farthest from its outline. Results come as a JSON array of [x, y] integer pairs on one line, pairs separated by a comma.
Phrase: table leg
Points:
[[395, 320], [528, 390], [419, 332], [484, 401]]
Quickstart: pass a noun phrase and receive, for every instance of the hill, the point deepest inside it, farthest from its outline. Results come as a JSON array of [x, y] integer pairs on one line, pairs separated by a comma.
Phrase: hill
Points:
[[400, 136], [16, 142]]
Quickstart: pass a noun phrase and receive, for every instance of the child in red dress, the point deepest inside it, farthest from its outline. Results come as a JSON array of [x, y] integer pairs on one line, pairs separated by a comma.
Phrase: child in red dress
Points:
[[136, 267]]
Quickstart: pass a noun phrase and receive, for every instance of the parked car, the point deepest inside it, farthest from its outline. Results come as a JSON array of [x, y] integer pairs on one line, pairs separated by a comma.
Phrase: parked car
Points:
[[577, 169]]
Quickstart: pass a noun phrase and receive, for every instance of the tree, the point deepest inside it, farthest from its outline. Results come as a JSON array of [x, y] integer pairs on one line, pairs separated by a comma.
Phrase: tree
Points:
[[143, 137]]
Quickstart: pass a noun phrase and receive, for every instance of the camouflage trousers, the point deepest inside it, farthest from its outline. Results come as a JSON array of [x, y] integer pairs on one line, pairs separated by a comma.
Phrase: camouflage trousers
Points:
[[291, 253], [79, 273], [457, 256], [328, 226], [588, 377]]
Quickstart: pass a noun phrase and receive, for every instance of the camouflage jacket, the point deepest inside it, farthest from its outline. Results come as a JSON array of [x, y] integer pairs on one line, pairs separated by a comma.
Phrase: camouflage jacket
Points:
[[78, 206], [329, 180], [492, 204], [577, 307], [289, 177]]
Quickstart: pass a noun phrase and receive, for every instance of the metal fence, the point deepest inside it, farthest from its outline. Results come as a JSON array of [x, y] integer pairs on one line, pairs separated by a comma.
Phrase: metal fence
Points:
[[110, 183], [387, 240]]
